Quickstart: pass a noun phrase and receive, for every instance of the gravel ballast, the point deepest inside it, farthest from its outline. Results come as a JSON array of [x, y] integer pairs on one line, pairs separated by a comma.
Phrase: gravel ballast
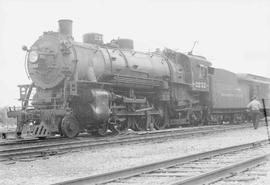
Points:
[[100, 160]]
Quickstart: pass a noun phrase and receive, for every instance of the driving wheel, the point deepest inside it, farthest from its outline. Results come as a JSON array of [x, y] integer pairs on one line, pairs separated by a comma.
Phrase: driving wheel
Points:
[[140, 123], [159, 122]]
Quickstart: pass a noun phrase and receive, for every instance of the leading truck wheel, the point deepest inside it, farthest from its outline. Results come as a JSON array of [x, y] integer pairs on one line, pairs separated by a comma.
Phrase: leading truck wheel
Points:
[[70, 126]]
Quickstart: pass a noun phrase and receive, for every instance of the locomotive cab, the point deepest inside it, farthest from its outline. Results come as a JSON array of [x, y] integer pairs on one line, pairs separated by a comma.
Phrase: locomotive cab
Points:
[[190, 90]]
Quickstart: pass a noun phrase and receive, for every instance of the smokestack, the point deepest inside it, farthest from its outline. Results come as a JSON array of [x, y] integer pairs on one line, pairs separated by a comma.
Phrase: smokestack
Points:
[[65, 27]]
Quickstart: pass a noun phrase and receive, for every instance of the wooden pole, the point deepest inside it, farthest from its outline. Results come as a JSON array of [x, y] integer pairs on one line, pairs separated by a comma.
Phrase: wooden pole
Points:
[[265, 118]]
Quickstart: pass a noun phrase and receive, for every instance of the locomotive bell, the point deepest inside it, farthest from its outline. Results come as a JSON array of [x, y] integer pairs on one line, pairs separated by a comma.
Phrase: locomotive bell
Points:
[[65, 27]]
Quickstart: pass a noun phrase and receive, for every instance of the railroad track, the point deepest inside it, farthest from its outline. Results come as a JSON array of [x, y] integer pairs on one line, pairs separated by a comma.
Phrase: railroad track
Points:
[[203, 168], [10, 142], [12, 151], [258, 174]]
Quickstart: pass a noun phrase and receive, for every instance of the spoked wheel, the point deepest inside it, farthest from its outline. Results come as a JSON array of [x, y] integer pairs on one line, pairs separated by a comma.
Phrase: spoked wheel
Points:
[[195, 118], [140, 124], [123, 125], [159, 122], [70, 126], [132, 123], [59, 125]]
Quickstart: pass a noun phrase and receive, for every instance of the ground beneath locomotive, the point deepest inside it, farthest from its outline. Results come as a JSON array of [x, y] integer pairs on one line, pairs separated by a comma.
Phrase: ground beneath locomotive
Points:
[[100, 160]]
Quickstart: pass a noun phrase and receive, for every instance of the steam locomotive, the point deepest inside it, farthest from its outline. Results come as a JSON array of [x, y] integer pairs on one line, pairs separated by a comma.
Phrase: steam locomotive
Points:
[[96, 87]]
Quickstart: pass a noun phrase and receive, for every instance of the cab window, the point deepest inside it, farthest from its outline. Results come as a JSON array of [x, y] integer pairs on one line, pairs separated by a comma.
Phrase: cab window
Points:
[[202, 71]]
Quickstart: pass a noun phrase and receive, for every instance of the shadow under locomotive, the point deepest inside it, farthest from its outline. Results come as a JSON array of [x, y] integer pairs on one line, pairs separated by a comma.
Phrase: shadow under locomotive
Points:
[[94, 87]]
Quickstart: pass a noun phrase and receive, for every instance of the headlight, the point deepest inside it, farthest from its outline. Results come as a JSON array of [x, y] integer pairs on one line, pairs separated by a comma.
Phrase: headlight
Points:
[[33, 56]]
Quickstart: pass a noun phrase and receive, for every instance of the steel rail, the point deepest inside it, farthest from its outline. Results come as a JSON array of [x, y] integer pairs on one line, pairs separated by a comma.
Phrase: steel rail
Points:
[[54, 148], [133, 135], [31, 141], [52, 139], [129, 172], [223, 172]]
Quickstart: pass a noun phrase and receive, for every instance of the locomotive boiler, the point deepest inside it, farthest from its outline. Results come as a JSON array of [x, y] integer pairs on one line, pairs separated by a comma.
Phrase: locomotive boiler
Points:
[[94, 87]]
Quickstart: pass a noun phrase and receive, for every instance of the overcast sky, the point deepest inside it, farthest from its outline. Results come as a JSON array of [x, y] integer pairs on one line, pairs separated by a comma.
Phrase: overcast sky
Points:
[[232, 34]]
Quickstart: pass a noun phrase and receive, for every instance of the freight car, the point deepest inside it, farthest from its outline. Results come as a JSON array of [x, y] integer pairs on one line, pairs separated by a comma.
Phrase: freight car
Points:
[[94, 87]]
